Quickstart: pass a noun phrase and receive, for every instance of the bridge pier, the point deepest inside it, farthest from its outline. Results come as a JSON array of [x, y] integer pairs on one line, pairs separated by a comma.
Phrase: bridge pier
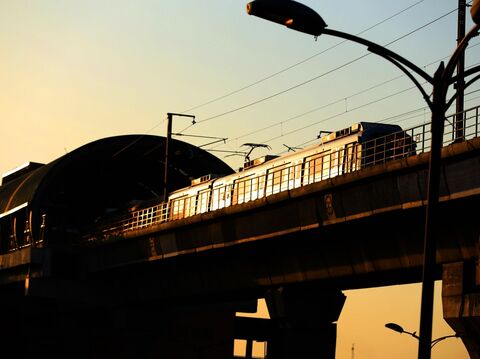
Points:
[[303, 321], [461, 302]]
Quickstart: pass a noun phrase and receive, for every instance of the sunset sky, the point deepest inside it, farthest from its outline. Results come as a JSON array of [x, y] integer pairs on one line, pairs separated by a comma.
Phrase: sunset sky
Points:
[[76, 71]]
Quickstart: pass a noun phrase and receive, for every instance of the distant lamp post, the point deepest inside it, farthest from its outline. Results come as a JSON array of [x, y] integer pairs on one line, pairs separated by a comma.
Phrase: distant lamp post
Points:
[[299, 17], [397, 328]]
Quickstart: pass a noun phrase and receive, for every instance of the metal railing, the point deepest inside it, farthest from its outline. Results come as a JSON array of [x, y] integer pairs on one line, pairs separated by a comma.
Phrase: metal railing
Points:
[[313, 169]]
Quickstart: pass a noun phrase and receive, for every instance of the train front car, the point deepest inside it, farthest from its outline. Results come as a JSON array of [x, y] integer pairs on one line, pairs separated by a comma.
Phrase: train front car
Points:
[[382, 142]]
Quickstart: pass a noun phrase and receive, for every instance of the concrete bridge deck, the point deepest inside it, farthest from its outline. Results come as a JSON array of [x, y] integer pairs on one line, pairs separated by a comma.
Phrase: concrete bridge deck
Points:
[[363, 229]]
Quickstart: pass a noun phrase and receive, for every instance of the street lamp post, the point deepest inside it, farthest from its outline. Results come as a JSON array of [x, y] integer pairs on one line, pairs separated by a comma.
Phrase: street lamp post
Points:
[[299, 17]]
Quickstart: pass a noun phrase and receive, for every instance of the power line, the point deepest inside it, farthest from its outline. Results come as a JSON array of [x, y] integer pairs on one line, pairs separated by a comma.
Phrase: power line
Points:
[[316, 77], [302, 61], [341, 113], [281, 123], [397, 116]]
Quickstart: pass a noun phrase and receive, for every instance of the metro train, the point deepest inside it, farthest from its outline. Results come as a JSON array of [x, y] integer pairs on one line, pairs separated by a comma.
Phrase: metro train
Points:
[[350, 149]]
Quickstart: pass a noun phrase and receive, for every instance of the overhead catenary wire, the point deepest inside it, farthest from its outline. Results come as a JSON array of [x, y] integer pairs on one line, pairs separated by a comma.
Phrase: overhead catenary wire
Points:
[[256, 102], [297, 64], [268, 77], [363, 91], [398, 118], [276, 73]]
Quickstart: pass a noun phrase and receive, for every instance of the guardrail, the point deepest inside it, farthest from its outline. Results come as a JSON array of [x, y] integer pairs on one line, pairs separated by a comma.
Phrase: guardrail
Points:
[[408, 142]]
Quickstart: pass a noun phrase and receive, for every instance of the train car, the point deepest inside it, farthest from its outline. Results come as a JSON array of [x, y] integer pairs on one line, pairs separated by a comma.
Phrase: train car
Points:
[[337, 153]]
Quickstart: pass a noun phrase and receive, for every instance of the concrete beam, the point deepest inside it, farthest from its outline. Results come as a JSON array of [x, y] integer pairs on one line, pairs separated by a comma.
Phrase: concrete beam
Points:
[[461, 303]]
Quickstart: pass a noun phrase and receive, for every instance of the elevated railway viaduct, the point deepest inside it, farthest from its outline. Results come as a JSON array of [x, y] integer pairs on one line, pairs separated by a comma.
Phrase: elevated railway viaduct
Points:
[[172, 289]]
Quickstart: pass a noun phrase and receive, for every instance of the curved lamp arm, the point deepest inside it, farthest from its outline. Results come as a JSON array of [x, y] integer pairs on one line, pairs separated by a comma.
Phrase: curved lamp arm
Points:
[[300, 17], [467, 84], [399, 61], [436, 341]]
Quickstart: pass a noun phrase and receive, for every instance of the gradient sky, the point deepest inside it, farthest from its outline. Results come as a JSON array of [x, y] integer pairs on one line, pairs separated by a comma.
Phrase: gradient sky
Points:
[[75, 71]]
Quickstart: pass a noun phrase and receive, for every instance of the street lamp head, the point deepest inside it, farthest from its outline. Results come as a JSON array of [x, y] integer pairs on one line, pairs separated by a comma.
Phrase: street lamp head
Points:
[[395, 327], [475, 11], [290, 13]]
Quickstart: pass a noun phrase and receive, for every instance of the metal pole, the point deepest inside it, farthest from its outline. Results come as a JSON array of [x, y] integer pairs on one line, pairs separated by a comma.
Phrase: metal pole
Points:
[[460, 116], [167, 156], [168, 151], [429, 257]]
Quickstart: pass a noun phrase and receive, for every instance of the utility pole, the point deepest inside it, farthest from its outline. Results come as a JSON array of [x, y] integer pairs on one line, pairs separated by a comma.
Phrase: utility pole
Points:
[[168, 152], [460, 116]]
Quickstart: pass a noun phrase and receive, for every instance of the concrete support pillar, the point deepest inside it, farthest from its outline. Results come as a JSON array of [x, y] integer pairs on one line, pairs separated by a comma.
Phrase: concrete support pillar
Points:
[[461, 303], [303, 320]]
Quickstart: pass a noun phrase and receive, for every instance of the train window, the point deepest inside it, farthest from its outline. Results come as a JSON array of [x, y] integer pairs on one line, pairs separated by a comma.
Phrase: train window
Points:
[[298, 174], [248, 187], [275, 177], [235, 194], [258, 186], [239, 190], [203, 201], [218, 197], [285, 178], [243, 190], [189, 209], [317, 167], [334, 163], [177, 209]]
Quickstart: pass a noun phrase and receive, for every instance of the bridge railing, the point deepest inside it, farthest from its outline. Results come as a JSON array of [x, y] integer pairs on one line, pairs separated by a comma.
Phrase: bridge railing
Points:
[[350, 158]]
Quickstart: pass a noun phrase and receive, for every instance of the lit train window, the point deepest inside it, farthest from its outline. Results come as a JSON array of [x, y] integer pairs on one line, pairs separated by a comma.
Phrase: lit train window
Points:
[[274, 179], [317, 167], [242, 190], [189, 209], [203, 201], [177, 209]]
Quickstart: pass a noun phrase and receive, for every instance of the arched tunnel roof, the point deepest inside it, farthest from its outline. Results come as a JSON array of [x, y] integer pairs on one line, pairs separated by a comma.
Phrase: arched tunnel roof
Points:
[[105, 175]]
